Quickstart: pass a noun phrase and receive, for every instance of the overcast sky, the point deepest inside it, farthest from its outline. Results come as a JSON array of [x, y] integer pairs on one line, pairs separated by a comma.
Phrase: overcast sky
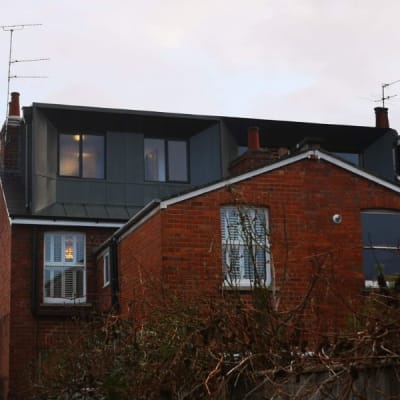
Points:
[[300, 60]]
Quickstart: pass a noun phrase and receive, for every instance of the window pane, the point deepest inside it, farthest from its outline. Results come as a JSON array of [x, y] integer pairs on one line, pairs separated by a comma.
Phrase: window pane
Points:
[[69, 155], [154, 160], [64, 267], [389, 259], [93, 156], [381, 229], [177, 161]]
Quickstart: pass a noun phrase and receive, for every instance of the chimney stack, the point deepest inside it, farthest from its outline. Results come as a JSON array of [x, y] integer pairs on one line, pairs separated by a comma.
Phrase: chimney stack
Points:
[[381, 117], [14, 110], [253, 138]]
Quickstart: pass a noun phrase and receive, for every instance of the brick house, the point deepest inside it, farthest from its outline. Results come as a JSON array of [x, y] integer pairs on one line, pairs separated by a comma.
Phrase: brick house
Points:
[[80, 220], [320, 213]]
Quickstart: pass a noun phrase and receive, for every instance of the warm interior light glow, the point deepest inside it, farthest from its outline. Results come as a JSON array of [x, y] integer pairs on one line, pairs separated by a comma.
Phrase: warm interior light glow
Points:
[[77, 137], [69, 252]]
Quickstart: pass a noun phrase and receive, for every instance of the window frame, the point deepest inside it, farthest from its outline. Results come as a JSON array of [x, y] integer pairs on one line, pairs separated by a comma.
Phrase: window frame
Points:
[[80, 160], [375, 248], [240, 244], [48, 265], [166, 160]]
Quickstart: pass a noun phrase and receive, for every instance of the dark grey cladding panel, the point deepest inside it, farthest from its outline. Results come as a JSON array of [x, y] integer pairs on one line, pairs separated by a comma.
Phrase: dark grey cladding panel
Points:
[[54, 210], [135, 193], [379, 157], [133, 210], [125, 157], [81, 191], [75, 210], [205, 156], [117, 212], [169, 190], [151, 192], [96, 211], [116, 193]]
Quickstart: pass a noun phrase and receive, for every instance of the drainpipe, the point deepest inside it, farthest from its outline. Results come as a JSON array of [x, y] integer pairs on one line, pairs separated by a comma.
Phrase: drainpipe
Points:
[[114, 283], [34, 270]]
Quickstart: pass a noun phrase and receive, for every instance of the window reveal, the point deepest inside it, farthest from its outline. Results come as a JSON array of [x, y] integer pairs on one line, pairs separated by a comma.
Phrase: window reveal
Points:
[[81, 155], [64, 267], [245, 246]]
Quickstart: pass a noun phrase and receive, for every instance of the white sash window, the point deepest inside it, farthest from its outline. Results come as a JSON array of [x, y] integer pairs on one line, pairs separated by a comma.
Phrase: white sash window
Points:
[[245, 246], [64, 267]]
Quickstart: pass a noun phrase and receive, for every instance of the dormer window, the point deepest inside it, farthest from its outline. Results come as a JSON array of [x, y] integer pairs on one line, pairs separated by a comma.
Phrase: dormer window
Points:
[[165, 160], [81, 155]]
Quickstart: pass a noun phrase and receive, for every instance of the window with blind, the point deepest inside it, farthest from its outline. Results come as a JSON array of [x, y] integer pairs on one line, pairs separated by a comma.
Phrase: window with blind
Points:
[[245, 246], [64, 267]]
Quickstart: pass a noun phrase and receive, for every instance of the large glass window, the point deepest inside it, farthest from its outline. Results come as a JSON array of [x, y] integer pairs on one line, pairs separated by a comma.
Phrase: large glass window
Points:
[[81, 155], [64, 267], [245, 246], [165, 160], [381, 242]]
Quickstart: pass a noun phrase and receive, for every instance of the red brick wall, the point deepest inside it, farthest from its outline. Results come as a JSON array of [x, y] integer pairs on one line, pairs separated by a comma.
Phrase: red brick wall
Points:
[[5, 271], [30, 333], [306, 244], [140, 268]]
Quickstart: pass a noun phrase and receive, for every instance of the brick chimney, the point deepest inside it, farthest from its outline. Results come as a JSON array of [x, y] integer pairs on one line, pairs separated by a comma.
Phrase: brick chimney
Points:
[[10, 137], [255, 156], [381, 117], [14, 109]]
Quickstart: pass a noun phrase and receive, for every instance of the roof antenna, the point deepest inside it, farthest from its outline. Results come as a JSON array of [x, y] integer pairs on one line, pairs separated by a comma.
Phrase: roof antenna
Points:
[[383, 98], [12, 29]]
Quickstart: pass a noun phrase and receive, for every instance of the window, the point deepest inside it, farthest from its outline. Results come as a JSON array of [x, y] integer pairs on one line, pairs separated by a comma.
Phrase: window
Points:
[[106, 269], [81, 155], [165, 160], [245, 246], [64, 267], [352, 158], [381, 243]]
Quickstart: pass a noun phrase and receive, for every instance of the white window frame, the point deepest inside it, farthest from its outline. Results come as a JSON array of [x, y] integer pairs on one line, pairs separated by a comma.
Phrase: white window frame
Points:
[[52, 265], [106, 269], [239, 240]]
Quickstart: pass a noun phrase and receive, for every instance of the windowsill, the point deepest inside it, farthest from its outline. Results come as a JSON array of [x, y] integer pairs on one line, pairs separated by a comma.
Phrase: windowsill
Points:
[[63, 309], [243, 288]]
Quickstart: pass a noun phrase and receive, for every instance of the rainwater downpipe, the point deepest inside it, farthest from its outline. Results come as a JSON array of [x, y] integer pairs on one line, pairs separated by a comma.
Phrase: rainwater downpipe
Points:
[[34, 270], [114, 275]]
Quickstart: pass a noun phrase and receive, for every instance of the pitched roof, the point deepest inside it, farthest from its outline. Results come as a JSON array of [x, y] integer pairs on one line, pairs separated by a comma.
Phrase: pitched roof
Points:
[[316, 154], [155, 205]]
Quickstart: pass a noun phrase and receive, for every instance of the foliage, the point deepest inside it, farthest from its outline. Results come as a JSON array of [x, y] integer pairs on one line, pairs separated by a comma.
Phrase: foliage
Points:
[[221, 349]]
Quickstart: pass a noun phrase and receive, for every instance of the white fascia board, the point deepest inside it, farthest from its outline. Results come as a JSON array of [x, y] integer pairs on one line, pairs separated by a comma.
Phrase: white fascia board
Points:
[[306, 155], [55, 222], [139, 223]]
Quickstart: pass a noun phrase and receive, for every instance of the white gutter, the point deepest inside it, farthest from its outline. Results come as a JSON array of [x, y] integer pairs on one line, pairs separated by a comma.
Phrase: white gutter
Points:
[[60, 222]]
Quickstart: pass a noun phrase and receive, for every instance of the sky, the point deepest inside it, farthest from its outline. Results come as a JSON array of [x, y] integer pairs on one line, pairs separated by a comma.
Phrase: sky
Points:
[[297, 60]]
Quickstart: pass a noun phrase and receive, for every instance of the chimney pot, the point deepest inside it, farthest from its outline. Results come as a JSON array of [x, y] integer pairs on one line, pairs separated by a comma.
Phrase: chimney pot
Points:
[[14, 105], [253, 138], [381, 117]]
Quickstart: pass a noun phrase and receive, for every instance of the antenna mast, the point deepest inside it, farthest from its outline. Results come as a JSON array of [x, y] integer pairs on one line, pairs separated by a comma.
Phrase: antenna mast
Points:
[[12, 29], [384, 86]]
